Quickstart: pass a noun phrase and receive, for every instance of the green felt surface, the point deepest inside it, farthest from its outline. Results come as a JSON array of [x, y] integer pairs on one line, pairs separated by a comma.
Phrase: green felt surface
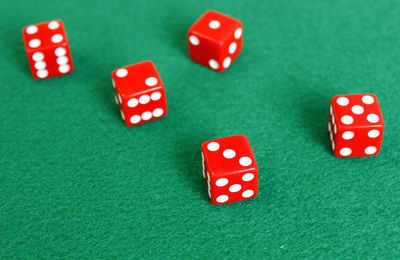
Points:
[[76, 183]]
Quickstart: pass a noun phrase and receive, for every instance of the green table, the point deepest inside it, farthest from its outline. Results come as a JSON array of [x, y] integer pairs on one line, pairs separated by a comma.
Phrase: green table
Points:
[[76, 183]]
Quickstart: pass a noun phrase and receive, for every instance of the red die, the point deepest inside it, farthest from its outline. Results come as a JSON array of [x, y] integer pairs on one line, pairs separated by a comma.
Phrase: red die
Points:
[[47, 49], [230, 169], [355, 125], [215, 40], [139, 93]]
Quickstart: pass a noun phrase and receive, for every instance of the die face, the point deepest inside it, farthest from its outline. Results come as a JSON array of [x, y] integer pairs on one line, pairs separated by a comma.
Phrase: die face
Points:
[[358, 143], [356, 125], [49, 34], [147, 109], [47, 49], [50, 62], [357, 110], [229, 169], [139, 93], [208, 54], [232, 187], [215, 25], [229, 155], [215, 40], [137, 78]]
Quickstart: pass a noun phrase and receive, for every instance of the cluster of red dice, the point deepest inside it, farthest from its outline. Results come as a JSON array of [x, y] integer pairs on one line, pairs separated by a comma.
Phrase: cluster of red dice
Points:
[[215, 40]]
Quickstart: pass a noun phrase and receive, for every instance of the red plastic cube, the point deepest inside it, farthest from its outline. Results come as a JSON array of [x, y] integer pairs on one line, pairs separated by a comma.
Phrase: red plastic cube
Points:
[[229, 169], [139, 93], [47, 48], [215, 40], [355, 125]]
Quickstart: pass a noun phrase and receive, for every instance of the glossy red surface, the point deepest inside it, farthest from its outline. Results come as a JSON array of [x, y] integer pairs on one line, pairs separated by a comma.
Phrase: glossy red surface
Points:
[[356, 125], [215, 40], [229, 169], [139, 93], [47, 49]]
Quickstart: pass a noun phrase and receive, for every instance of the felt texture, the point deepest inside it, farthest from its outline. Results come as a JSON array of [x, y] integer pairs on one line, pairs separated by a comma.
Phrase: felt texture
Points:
[[76, 183]]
